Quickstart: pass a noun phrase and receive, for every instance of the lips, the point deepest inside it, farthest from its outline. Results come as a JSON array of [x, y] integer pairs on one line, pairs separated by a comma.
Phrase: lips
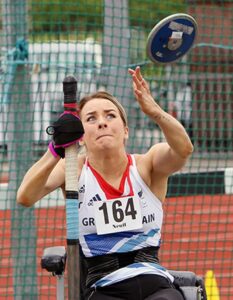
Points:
[[104, 135]]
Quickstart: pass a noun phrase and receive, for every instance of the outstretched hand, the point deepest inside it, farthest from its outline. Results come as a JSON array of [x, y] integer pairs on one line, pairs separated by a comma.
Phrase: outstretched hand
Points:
[[142, 93]]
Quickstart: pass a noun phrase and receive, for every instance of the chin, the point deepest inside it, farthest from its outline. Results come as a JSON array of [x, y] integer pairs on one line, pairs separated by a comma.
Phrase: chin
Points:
[[105, 146]]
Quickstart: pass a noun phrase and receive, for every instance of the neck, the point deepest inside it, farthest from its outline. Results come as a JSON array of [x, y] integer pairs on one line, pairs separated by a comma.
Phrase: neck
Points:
[[109, 163]]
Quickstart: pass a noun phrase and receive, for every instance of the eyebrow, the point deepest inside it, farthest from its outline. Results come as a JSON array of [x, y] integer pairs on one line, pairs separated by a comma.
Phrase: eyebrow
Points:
[[105, 110]]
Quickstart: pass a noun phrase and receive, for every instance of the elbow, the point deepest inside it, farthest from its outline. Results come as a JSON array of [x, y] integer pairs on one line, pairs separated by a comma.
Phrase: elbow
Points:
[[23, 200], [185, 150], [188, 150]]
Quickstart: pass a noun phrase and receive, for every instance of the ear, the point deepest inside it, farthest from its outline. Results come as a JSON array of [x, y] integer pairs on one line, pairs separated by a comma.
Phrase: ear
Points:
[[126, 132], [81, 142]]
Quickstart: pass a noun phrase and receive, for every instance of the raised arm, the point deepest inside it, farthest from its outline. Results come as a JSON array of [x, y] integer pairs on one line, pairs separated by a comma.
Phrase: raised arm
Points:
[[48, 173], [42, 178], [169, 157]]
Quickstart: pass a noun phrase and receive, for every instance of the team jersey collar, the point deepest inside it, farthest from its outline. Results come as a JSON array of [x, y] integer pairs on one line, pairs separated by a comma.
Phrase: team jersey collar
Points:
[[125, 187]]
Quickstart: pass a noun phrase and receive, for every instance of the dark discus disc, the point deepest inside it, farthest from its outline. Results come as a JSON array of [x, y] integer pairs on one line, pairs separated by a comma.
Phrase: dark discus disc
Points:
[[171, 38]]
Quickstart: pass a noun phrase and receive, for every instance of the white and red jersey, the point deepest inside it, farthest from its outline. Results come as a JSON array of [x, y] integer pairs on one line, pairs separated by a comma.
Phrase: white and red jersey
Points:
[[93, 190]]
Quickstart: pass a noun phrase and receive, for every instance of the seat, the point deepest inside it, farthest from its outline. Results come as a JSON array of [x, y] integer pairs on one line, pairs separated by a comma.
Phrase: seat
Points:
[[54, 260], [191, 286]]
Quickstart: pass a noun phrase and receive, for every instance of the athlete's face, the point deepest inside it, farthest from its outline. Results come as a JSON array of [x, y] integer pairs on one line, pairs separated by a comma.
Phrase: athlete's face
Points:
[[103, 125]]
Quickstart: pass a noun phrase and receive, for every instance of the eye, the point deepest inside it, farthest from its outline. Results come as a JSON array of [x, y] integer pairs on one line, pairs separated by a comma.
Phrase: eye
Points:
[[111, 116], [91, 119]]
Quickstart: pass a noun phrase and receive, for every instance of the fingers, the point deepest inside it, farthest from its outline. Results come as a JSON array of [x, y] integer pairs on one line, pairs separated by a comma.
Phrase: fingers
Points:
[[141, 79], [138, 80], [136, 72], [131, 71], [136, 76]]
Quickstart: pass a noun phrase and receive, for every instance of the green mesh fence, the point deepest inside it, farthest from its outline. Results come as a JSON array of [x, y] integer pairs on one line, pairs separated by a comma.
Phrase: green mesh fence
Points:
[[43, 41]]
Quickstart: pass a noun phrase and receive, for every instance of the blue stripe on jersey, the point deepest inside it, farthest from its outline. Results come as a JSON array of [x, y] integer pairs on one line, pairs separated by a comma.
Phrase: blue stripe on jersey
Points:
[[142, 237], [131, 271], [102, 244], [103, 282], [141, 265]]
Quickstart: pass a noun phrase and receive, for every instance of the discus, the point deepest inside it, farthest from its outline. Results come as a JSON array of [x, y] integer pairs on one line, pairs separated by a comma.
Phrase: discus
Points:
[[171, 38]]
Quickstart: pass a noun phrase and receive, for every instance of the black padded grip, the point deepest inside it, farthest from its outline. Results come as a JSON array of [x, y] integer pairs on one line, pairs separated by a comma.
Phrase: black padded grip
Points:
[[70, 89]]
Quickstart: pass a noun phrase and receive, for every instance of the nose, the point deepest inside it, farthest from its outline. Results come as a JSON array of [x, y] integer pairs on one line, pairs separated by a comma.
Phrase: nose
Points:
[[102, 123]]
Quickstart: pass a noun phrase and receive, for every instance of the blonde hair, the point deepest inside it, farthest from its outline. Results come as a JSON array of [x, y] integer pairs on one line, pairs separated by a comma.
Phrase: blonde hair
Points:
[[108, 96]]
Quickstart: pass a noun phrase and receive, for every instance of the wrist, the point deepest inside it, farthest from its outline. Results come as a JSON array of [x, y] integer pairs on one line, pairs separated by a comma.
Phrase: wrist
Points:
[[54, 152], [158, 116]]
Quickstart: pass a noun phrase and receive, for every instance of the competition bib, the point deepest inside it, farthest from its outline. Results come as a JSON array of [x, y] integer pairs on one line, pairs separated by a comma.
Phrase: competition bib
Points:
[[116, 215]]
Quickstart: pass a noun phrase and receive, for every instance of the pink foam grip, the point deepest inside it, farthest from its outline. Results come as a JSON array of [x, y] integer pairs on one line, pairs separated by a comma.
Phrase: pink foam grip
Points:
[[51, 148], [68, 144], [74, 113]]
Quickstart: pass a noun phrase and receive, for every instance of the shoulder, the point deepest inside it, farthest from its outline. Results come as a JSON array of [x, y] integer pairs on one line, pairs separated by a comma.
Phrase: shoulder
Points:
[[148, 163], [151, 171], [143, 167], [148, 158]]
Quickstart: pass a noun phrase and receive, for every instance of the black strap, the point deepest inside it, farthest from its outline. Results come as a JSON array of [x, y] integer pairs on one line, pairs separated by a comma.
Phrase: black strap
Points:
[[95, 268]]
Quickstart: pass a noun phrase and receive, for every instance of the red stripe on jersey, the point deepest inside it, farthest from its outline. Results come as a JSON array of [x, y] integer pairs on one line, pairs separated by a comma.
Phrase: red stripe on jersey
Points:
[[110, 191]]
